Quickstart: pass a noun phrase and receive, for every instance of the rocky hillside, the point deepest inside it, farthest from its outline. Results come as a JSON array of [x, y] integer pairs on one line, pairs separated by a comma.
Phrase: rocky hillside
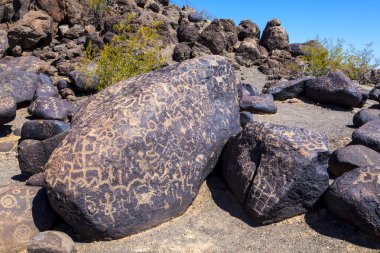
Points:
[[226, 141]]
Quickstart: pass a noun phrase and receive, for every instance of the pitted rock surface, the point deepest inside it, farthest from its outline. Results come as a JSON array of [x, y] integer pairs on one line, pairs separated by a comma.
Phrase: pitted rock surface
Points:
[[277, 172], [138, 152], [354, 197], [21, 84], [51, 108], [8, 109], [24, 211], [3, 43], [43, 129]]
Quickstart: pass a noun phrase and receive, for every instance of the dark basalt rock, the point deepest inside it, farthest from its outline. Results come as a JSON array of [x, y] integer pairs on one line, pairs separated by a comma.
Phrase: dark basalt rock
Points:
[[43, 129], [287, 89], [24, 211], [374, 94], [33, 154], [21, 84], [274, 36], [248, 29], [366, 115], [37, 180], [45, 90], [187, 32], [135, 174], [277, 172], [182, 52], [334, 88], [7, 109], [51, 108], [352, 157], [368, 135], [354, 197], [83, 83], [263, 104], [195, 17], [51, 242]]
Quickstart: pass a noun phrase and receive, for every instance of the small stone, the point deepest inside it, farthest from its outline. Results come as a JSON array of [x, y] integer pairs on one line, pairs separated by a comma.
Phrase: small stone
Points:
[[51, 242], [37, 180], [263, 104], [245, 118], [50, 108], [368, 135], [352, 157], [366, 115], [43, 129]]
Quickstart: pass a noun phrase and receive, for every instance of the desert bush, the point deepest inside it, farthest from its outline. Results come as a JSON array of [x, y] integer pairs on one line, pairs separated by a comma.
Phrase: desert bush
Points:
[[129, 54], [322, 57]]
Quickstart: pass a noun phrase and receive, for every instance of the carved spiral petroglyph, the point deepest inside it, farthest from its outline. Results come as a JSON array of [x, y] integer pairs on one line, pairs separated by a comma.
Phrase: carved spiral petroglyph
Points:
[[139, 150]]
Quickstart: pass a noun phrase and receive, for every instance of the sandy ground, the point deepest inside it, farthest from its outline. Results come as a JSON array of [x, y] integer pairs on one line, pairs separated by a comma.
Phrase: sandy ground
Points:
[[216, 222]]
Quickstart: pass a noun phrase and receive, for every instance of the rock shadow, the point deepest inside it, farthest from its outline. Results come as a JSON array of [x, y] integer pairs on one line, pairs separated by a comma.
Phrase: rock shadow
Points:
[[327, 224], [225, 199], [19, 178], [5, 130], [307, 100]]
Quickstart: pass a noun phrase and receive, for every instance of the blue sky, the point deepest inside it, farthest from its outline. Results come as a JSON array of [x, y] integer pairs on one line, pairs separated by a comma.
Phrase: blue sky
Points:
[[355, 21]]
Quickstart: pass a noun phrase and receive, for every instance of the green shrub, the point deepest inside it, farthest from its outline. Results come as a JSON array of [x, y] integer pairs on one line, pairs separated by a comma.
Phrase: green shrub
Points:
[[322, 57], [129, 54]]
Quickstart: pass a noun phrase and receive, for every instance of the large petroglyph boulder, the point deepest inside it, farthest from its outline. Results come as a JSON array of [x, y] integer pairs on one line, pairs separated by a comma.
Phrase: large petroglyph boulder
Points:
[[138, 152], [277, 172], [24, 211]]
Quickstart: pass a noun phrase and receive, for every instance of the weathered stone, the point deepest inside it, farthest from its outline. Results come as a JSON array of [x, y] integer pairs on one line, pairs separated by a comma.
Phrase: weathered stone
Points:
[[195, 17], [43, 129], [33, 154], [368, 135], [287, 89], [24, 211], [366, 115], [334, 88], [51, 108], [187, 32], [24, 63], [75, 32], [354, 197], [45, 90], [4, 45], [263, 104], [51, 242], [248, 29], [277, 172], [182, 52], [72, 11], [83, 83], [62, 84], [213, 38], [20, 84], [249, 49], [7, 109], [374, 94], [33, 30], [274, 36], [160, 133], [37, 180], [21, 7], [352, 157]]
